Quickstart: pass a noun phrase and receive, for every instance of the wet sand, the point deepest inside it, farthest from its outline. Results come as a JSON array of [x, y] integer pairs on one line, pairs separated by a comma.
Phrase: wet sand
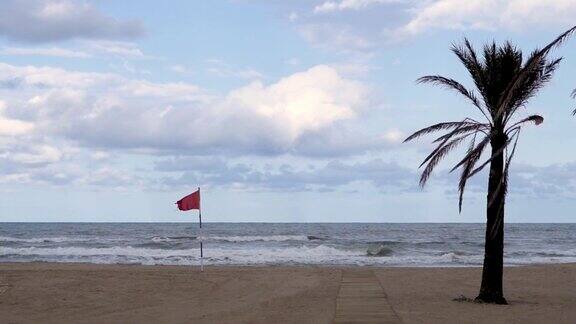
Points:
[[86, 293]]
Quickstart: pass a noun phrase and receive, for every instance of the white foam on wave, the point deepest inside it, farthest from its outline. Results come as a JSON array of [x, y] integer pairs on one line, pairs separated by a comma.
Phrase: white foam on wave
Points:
[[238, 255], [43, 239], [160, 239], [269, 238], [88, 252], [320, 254]]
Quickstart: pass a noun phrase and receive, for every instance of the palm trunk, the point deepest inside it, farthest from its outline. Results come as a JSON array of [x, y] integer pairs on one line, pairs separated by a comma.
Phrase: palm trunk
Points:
[[492, 272]]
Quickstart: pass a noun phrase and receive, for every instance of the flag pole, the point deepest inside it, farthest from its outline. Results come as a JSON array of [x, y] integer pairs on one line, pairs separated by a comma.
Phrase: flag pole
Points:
[[200, 218]]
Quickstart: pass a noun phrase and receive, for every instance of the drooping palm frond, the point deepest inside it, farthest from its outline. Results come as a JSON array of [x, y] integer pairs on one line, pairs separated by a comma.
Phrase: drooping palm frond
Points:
[[473, 154], [438, 156], [483, 128], [503, 183], [490, 159], [436, 128], [470, 155], [536, 119], [456, 133], [431, 155]]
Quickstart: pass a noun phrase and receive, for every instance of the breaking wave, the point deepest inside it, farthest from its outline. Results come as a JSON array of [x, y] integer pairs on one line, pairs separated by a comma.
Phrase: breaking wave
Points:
[[270, 238], [44, 239], [282, 244]]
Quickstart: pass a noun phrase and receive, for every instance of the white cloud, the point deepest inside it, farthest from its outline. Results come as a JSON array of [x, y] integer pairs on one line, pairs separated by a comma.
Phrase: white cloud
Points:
[[55, 20], [47, 51], [293, 61], [50, 77], [119, 49], [224, 70], [356, 68], [328, 176], [332, 36], [330, 6], [12, 127], [293, 16], [490, 14], [305, 101], [394, 136], [38, 154], [298, 114], [178, 68]]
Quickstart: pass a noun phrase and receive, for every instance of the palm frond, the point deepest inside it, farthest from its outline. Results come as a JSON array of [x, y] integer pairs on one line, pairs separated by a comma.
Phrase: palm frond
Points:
[[509, 160], [438, 156], [504, 181], [467, 55], [489, 160], [574, 96], [454, 85], [462, 130], [431, 155], [436, 128], [533, 83], [474, 154], [505, 81], [535, 60], [478, 150], [536, 119]]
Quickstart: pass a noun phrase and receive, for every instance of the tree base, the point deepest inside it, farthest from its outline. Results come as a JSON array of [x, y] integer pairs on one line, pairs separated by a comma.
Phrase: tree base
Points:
[[491, 299]]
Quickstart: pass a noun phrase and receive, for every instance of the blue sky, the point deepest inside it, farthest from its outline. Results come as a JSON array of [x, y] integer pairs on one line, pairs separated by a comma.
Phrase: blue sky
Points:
[[282, 111]]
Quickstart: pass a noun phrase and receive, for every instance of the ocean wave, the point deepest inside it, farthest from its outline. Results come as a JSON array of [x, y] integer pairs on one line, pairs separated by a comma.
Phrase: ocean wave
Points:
[[88, 252], [321, 254], [552, 254], [379, 251], [128, 254], [172, 238], [262, 255], [44, 239], [268, 238]]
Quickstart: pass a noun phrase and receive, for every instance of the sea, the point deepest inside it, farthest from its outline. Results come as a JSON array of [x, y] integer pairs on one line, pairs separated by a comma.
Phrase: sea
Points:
[[252, 244]]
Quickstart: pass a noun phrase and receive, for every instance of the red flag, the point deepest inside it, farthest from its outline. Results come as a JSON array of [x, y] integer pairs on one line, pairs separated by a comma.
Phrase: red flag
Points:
[[192, 201]]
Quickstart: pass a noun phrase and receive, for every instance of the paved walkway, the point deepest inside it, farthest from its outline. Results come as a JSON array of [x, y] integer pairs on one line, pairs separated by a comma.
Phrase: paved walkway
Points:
[[361, 299]]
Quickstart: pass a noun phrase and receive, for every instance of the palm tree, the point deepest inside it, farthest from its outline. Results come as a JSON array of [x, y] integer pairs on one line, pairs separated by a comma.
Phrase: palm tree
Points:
[[505, 84]]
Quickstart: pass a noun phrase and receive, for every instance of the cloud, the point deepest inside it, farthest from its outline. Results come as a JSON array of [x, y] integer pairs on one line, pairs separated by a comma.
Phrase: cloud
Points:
[[221, 69], [48, 51], [489, 15], [342, 140], [334, 36], [12, 127], [363, 26], [552, 181], [306, 113], [330, 6], [178, 68], [327, 177], [84, 49], [555, 181], [118, 49], [56, 20], [44, 161]]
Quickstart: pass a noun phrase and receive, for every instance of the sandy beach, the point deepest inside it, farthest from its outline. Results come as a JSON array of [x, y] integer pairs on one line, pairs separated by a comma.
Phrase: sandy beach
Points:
[[86, 293]]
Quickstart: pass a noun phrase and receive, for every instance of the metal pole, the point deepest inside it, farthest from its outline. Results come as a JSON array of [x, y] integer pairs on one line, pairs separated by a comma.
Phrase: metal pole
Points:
[[200, 218]]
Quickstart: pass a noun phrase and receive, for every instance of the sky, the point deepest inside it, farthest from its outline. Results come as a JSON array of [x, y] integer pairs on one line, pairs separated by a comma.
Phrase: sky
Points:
[[281, 111]]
